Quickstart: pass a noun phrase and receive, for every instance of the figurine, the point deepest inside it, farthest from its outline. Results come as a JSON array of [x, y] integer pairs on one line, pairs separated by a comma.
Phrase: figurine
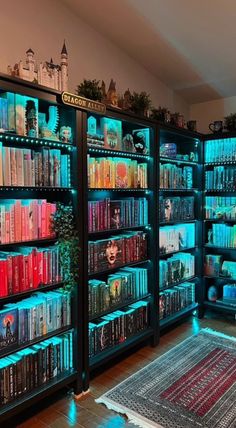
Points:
[[112, 97], [48, 129], [127, 100], [48, 74], [65, 134]]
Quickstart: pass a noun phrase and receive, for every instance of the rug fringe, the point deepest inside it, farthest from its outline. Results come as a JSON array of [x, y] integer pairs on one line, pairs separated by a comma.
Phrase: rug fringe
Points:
[[137, 421], [217, 333]]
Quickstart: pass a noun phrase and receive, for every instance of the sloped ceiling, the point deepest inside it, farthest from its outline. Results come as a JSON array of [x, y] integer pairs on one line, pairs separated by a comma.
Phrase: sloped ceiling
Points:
[[187, 44]]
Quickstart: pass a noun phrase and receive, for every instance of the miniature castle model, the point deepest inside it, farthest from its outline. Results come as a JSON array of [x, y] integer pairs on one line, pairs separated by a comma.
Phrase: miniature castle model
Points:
[[46, 73]]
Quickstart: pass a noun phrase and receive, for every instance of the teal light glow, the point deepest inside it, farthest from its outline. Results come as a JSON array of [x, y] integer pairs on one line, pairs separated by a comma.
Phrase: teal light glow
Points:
[[72, 414]]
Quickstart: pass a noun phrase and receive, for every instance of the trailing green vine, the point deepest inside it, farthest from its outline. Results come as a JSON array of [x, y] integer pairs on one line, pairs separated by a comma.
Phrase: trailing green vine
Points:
[[63, 224]]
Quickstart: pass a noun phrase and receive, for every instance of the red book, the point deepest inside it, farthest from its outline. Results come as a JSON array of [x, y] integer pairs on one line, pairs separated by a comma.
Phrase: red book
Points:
[[12, 223], [15, 275], [49, 254], [17, 221], [35, 268], [7, 225], [3, 278], [26, 271], [9, 275], [40, 267], [43, 219], [30, 272], [45, 267], [21, 272], [39, 225], [23, 223]]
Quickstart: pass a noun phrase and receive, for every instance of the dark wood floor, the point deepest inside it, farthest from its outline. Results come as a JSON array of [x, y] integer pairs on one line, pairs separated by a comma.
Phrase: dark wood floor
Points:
[[64, 411]]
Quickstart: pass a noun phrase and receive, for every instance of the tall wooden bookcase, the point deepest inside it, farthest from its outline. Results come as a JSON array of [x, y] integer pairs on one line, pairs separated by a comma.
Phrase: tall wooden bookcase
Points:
[[180, 207], [80, 194], [71, 194], [128, 123], [219, 249]]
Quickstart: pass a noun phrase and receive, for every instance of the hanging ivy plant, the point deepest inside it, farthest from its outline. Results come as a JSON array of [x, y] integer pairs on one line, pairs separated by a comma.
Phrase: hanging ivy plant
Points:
[[63, 224]]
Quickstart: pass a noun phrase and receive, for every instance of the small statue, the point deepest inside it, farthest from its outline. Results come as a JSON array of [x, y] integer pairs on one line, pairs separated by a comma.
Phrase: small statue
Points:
[[103, 90], [112, 97], [127, 100], [65, 134]]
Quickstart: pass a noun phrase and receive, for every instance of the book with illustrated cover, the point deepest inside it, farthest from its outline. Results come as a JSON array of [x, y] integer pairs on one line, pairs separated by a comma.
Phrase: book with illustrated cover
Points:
[[112, 131], [8, 328]]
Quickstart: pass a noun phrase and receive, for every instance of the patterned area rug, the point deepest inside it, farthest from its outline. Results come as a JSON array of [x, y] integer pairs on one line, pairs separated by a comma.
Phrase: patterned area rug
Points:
[[191, 386]]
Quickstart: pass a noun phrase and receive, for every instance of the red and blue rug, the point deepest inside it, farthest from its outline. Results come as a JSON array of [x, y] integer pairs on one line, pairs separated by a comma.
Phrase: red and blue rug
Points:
[[191, 386]]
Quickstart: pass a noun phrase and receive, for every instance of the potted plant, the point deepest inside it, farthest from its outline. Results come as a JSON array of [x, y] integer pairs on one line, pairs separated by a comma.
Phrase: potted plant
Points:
[[140, 103], [90, 89], [230, 122], [63, 224], [162, 114]]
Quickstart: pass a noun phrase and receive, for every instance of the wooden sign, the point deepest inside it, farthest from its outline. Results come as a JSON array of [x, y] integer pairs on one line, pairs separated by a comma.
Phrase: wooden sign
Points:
[[83, 103]]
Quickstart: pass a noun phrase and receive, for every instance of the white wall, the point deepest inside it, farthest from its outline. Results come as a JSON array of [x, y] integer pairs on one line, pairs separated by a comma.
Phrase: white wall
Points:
[[207, 112], [42, 25]]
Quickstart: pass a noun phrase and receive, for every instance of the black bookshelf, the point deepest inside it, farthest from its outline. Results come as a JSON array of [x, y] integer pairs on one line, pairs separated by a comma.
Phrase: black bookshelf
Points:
[[188, 154], [212, 245], [129, 122], [66, 195]]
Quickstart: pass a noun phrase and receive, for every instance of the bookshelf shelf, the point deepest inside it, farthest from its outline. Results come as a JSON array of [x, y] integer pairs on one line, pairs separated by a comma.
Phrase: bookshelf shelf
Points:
[[191, 278], [179, 190], [178, 161], [115, 231], [169, 223], [105, 356], [215, 220], [35, 188], [218, 247], [10, 139], [220, 163], [120, 306], [216, 191], [218, 307], [178, 251], [118, 190], [32, 397], [224, 278], [102, 151], [27, 293], [178, 316], [16, 348], [112, 270], [43, 241]]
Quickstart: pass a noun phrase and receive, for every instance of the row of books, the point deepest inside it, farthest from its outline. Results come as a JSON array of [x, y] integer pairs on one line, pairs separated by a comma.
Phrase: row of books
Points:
[[107, 133], [222, 235], [19, 114], [221, 178], [176, 238], [34, 317], [109, 173], [176, 299], [220, 207], [115, 214], [28, 369], [169, 150], [174, 177], [229, 292], [116, 251], [222, 150], [25, 167], [176, 208], [127, 284], [216, 266], [177, 268], [115, 328], [28, 268], [25, 220]]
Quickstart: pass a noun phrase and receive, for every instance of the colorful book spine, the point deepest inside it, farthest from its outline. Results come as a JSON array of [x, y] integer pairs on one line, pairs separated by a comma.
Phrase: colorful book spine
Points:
[[175, 269], [174, 177], [176, 299]]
